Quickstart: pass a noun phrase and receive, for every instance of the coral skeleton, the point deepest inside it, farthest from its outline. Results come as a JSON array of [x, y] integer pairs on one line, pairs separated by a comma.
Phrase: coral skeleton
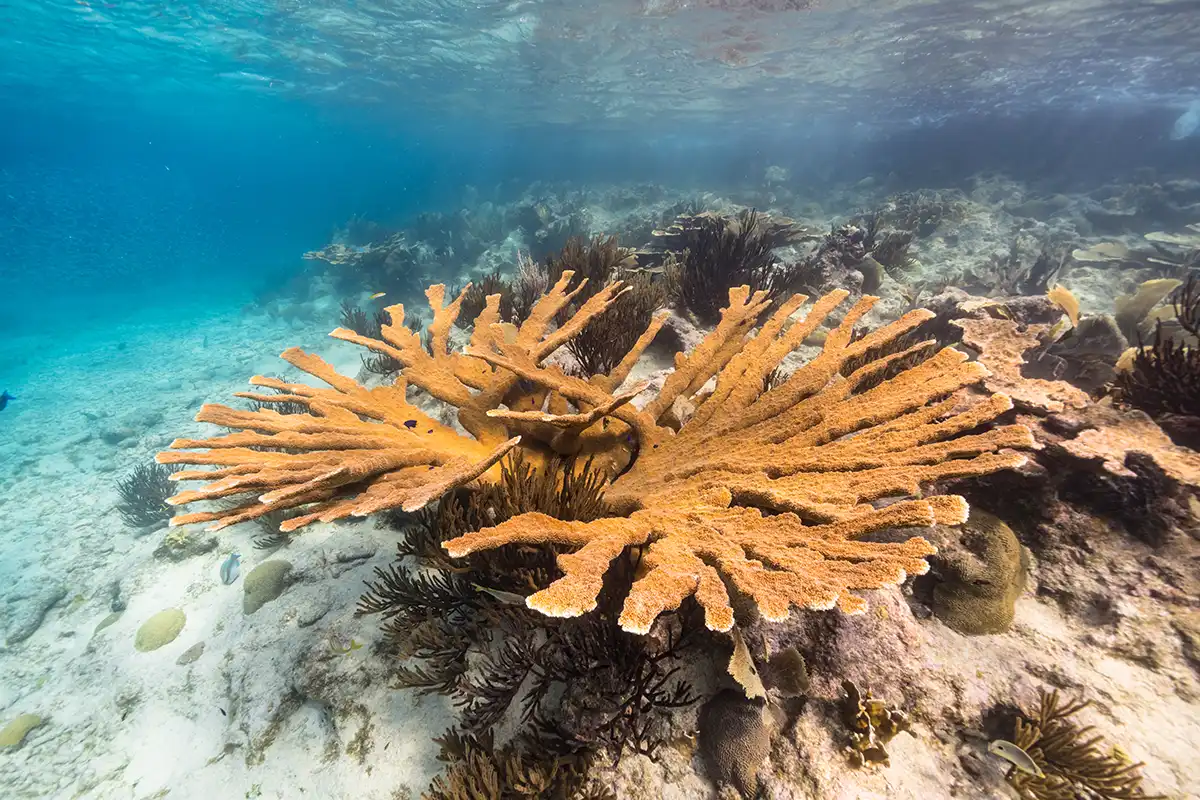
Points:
[[719, 482]]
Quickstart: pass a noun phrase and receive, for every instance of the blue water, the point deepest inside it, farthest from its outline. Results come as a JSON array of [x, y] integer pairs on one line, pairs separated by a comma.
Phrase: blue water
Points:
[[159, 154], [165, 164]]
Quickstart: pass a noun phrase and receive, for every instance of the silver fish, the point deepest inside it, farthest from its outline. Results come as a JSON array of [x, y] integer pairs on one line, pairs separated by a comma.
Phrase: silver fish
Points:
[[230, 568], [511, 598], [1015, 756]]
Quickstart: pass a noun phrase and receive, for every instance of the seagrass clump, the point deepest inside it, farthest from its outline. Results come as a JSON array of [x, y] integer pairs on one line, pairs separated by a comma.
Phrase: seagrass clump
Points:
[[721, 251], [568, 686], [601, 346], [475, 297], [1164, 376], [476, 769], [720, 484], [1075, 763], [144, 494]]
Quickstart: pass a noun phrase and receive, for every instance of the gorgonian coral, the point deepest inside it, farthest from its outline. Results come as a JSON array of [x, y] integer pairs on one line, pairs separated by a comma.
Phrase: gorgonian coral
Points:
[[721, 482]]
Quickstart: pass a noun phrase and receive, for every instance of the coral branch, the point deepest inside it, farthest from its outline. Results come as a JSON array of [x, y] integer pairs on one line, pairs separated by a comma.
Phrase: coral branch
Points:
[[726, 483]]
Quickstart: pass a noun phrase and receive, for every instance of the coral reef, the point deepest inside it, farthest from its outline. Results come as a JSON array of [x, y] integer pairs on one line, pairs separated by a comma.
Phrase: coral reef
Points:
[[871, 723], [477, 769], [396, 264], [265, 583], [13, 734], [695, 468], [1016, 273], [1163, 378], [1002, 344], [922, 212], [1086, 358]]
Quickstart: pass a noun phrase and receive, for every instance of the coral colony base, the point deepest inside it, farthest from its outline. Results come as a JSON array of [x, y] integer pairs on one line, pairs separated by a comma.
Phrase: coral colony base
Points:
[[601, 526]]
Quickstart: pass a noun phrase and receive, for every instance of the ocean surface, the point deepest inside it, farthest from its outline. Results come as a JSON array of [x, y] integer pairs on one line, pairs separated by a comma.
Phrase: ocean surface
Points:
[[166, 166]]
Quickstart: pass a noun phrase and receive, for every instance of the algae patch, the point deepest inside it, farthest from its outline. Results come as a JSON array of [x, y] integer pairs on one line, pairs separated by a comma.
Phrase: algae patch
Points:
[[14, 733]]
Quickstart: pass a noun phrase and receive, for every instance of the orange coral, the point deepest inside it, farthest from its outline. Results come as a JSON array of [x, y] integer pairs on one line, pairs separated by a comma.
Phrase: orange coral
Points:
[[1118, 433], [720, 482], [363, 450], [1002, 344]]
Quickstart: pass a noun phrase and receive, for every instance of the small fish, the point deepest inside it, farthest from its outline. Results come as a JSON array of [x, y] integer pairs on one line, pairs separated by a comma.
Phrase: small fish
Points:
[[340, 645], [230, 568], [4, 398], [1015, 756], [1060, 330], [511, 598], [377, 295]]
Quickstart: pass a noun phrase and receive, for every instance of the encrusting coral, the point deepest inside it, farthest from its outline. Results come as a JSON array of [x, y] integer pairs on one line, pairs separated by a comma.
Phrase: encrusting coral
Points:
[[721, 484], [1001, 344]]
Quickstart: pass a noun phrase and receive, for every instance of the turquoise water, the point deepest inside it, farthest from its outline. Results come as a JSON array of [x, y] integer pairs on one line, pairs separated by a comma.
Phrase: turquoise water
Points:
[[152, 150]]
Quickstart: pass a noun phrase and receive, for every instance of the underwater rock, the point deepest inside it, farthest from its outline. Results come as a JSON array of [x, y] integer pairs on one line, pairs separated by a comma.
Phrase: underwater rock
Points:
[[159, 630], [1084, 359], [1187, 626], [31, 611], [734, 740], [313, 609], [265, 583], [348, 558], [982, 570], [1184, 429], [787, 673], [191, 654], [117, 601], [123, 436], [1122, 465], [13, 734], [179, 544]]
